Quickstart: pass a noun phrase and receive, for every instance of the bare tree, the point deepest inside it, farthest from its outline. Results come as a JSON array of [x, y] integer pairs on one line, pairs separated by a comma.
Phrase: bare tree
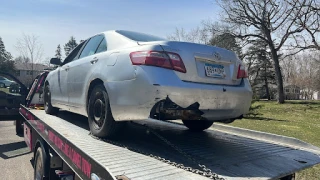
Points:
[[197, 35], [289, 69], [30, 47], [306, 74], [309, 20], [272, 21], [178, 35], [303, 70]]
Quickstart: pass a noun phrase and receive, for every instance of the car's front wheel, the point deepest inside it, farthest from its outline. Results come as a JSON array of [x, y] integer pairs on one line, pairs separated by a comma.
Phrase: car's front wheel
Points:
[[100, 118], [49, 109], [197, 125]]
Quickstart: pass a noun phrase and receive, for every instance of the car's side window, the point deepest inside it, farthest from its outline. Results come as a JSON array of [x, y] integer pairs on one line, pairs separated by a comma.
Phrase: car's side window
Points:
[[74, 54], [91, 46], [103, 46]]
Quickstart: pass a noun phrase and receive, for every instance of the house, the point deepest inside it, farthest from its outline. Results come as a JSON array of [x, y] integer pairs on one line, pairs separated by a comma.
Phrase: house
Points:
[[26, 72], [292, 92], [316, 95], [309, 94]]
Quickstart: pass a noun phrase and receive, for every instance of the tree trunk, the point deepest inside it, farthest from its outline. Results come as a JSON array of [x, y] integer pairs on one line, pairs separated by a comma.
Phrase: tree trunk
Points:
[[267, 92], [266, 82], [275, 59]]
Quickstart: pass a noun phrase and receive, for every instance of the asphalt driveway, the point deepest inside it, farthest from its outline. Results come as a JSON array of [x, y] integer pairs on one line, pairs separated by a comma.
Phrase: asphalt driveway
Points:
[[14, 154]]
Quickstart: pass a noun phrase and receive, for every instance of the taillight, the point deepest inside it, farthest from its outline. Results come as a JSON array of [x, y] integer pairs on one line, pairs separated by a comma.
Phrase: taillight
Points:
[[242, 72], [162, 59]]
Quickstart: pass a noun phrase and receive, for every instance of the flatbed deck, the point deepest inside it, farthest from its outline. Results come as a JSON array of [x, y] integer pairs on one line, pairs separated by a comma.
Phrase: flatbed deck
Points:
[[232, 153]]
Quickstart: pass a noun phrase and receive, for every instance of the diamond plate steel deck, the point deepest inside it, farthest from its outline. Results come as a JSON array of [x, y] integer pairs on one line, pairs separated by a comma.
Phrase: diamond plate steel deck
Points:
[[233, 153]]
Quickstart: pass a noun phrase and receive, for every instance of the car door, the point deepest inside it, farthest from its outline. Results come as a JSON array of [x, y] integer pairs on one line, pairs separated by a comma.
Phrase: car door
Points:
[[79, 72], [59, 81]]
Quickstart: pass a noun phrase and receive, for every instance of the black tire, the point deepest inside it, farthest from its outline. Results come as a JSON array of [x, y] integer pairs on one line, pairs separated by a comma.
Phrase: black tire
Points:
[[19, 127], [197, 125], [289, 177], [2, 85], [49, 109], [100, 118], [39, 164]]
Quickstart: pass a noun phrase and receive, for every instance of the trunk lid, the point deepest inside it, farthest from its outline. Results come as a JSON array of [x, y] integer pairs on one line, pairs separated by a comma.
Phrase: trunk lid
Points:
[[204, 64]]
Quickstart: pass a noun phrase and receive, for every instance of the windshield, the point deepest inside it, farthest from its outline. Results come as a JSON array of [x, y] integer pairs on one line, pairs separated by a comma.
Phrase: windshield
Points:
[[9, 86], [139, 36]]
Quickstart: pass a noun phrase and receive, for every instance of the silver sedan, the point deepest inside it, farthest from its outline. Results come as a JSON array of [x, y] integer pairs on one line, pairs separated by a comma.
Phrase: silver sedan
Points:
[[122, 75]]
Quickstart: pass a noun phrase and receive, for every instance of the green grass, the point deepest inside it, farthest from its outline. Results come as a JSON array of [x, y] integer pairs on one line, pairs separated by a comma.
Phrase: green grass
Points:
[[299, 119]]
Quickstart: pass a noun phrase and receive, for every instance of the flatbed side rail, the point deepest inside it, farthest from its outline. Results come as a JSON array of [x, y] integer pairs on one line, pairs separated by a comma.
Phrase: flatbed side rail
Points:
[[268, 137], [263, 136], [82, 164]]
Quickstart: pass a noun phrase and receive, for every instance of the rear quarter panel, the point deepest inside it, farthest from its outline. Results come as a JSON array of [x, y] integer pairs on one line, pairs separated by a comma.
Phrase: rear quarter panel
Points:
[[116, 66]]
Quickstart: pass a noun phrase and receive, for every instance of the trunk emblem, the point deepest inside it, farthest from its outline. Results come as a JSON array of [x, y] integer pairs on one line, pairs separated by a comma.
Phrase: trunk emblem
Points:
[[217, 55]]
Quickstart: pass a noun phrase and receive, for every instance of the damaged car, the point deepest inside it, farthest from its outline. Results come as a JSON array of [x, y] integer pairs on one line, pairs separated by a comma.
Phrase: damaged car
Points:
[[12, 94], [122, 75]]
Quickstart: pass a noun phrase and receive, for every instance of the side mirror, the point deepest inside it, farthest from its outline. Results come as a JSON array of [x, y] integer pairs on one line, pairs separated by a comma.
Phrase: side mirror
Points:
[[55, 61]]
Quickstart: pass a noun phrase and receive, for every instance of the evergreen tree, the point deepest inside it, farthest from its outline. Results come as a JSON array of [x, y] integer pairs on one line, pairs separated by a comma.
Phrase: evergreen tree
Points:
[[70, 45], [260, 68], [58, 52], [228, 41], [6, 63]]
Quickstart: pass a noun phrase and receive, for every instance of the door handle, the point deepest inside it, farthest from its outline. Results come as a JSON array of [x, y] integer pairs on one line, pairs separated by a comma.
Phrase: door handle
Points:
[[94, 60]]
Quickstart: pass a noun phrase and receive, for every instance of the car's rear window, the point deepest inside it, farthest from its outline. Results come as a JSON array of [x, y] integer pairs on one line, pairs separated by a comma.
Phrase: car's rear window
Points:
[[139, 36]]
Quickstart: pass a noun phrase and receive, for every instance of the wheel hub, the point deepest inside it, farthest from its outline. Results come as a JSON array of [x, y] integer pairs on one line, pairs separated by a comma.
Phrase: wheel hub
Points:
[[46, 98], [98, 111], [38, 169]]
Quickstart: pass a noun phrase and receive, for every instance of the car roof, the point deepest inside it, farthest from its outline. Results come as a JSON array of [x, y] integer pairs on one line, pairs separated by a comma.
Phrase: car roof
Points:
[[116, 40]]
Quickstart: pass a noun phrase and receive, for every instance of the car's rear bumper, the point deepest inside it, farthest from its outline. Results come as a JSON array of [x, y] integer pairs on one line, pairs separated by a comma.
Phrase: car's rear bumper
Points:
[[134, 99]]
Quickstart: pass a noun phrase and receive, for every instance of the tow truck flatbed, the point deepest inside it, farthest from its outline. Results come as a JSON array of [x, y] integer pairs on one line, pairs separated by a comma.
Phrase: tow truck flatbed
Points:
[[232, 153]]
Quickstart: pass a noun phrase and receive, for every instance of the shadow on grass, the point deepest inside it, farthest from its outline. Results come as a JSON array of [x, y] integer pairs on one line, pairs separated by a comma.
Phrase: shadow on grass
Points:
[[264, 119], [303, 102]]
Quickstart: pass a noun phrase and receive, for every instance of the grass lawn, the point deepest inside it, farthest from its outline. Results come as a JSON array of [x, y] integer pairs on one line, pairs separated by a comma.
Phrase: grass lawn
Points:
[[299, 119]]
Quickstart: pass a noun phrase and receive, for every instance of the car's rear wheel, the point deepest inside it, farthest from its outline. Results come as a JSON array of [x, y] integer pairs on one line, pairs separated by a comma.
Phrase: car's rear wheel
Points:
[[197, 125], [49, 109], [2, 85], [40, 164], [19, 126], [100, 118]]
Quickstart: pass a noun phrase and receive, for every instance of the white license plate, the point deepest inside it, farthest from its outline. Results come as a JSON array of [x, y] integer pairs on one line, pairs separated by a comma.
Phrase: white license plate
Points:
[[214, 70]]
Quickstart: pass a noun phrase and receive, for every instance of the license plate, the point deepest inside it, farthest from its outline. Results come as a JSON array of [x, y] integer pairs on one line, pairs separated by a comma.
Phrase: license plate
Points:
[[214, 70]]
